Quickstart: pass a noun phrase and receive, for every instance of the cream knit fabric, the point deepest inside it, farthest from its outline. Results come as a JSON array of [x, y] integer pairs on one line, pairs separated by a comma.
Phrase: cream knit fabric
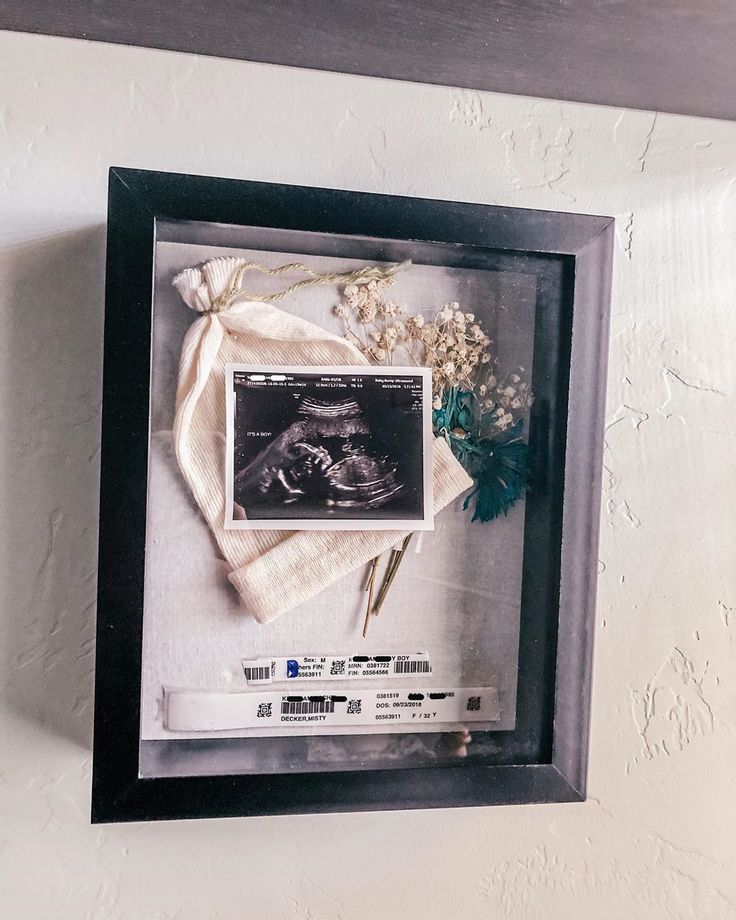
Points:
[[273, 571]]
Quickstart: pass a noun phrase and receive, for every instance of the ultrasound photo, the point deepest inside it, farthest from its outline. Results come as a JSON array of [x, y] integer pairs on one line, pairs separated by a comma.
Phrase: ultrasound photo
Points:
[[329, 448]]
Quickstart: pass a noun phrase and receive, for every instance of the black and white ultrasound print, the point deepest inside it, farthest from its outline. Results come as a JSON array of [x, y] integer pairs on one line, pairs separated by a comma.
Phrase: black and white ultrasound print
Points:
[[329, 448]]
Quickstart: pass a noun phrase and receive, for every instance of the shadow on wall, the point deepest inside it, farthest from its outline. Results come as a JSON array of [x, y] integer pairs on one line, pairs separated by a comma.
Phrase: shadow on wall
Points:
[[51, 348]]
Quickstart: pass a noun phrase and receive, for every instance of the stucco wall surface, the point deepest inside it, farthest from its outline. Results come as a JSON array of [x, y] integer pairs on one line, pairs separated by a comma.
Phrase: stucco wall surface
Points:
[[656, 838]]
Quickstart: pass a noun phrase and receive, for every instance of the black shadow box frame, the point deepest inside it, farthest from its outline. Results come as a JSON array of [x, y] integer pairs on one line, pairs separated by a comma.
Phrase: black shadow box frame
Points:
[[545, 758]]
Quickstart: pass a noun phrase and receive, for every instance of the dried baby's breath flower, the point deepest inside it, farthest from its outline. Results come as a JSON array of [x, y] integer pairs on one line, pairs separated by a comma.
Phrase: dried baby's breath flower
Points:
[[369, 317], [453, 345]]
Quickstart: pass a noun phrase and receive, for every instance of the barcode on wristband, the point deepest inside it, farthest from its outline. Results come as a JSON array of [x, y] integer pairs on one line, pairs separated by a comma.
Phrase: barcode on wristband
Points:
[[412, 667], [302, 707], [256, 674]]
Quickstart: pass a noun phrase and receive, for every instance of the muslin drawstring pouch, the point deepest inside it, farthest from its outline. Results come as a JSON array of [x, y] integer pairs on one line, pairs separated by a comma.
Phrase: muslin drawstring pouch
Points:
[[272, 570]]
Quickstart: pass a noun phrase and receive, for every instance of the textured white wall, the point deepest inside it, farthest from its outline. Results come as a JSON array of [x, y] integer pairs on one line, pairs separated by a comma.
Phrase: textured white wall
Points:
[[656, 839]]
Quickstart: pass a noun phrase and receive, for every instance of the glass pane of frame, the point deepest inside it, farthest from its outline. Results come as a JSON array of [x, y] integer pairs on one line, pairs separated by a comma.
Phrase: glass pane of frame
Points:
[[445, 673]]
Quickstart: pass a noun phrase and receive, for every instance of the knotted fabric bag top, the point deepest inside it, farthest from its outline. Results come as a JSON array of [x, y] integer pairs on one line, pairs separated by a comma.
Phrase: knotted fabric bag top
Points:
[[272, 570]]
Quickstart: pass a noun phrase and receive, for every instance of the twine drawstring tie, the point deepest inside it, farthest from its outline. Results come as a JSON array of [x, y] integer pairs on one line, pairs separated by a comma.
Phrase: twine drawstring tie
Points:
[[234, 292]]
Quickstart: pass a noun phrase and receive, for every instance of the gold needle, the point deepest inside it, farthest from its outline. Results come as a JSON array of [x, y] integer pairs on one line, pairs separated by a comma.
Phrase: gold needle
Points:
[[396, 557], [386, 579], [369, 589], [371, 573]]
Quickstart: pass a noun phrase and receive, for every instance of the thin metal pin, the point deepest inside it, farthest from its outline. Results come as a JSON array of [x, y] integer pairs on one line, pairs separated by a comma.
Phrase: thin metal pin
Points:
[[386, 579], [395, 562], [369, 588]]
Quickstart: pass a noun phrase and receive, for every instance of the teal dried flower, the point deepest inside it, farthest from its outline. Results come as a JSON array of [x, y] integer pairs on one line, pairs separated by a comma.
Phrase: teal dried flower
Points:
[[498, 463], [501, 481]]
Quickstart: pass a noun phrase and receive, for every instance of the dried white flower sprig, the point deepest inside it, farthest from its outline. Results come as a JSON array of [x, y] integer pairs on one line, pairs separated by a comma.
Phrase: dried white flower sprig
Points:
[[371, 321], [453, 344]]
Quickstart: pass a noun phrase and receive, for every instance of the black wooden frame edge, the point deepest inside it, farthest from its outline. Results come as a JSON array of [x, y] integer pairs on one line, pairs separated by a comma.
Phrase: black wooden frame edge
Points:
[[118, 796], [541, 231], [535, 784], [581, 515]]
